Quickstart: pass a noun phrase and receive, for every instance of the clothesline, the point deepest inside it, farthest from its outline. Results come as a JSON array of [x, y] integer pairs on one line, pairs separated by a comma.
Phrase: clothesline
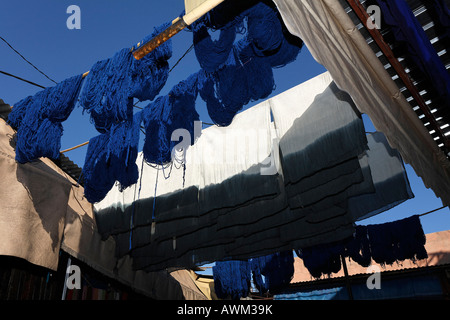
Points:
[[426, 213]]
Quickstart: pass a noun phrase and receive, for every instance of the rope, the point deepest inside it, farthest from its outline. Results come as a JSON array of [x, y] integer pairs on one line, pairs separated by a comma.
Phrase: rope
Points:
[[184, 55], [22, 79], [424, 214]]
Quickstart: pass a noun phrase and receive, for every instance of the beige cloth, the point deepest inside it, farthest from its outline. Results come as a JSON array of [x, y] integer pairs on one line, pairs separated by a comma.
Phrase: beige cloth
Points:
[[43, 210], [335, 42], [33, 201]]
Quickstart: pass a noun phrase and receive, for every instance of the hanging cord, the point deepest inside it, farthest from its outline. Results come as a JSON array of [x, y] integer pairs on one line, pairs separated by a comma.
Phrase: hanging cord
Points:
[[184, 55], [426, 213], [9, 45], [22, 79], [134, 204], [154, 197]]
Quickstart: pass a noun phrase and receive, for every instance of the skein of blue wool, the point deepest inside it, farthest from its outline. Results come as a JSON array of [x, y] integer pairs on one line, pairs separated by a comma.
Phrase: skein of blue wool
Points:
[[123, 151], [40, 130], [182, 98], [264, 29], [231, 84], [18, 112], [232, 279], [272, 271], [288, 51], [211, 54], [112, 83], [97, 177], [218, 113], [258, 71], [150, 73], [105, 94], [157, 123], [167, 114]]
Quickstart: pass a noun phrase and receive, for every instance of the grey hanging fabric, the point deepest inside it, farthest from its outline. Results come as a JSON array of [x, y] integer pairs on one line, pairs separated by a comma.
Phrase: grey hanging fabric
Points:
[[389, 178], [322, 147]]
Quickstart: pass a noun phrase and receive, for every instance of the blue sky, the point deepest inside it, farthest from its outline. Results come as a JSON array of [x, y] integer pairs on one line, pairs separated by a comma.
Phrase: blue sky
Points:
[[38, 30]]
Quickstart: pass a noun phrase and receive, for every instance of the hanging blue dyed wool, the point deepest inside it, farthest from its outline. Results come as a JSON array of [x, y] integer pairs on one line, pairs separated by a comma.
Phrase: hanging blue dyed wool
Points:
[[211, 54], [97, 178], [105, 93], [167, 114], [272, 271], [156, 120], [232, 279], [258, 71], [357, 248], [237, 73], [323, 259], [264, 29], [397, 241], [216, 110], [112, 84], [111, 157], [150, 73], [39, 126], [182, 98], [288, 52], [123, 151], [18, 112]]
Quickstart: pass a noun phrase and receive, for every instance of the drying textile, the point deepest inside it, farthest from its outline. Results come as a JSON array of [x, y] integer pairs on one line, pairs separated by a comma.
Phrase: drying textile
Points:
[[225, 202], [322, 145], [385, 243], [389, 178], [336, 43], [112, 83], [232, 279]]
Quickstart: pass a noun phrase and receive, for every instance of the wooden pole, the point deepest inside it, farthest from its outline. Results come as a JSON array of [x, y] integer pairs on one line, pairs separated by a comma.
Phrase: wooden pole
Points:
[[177, 25], [76, 147], [347, 280]]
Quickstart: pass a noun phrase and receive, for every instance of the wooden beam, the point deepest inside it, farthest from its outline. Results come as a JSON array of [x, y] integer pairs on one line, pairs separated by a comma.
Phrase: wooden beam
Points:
[[177, 25]]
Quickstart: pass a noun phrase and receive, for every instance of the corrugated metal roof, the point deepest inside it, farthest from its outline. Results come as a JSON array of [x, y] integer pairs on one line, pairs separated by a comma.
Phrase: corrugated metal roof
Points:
[[439, 112], [69, 167]]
